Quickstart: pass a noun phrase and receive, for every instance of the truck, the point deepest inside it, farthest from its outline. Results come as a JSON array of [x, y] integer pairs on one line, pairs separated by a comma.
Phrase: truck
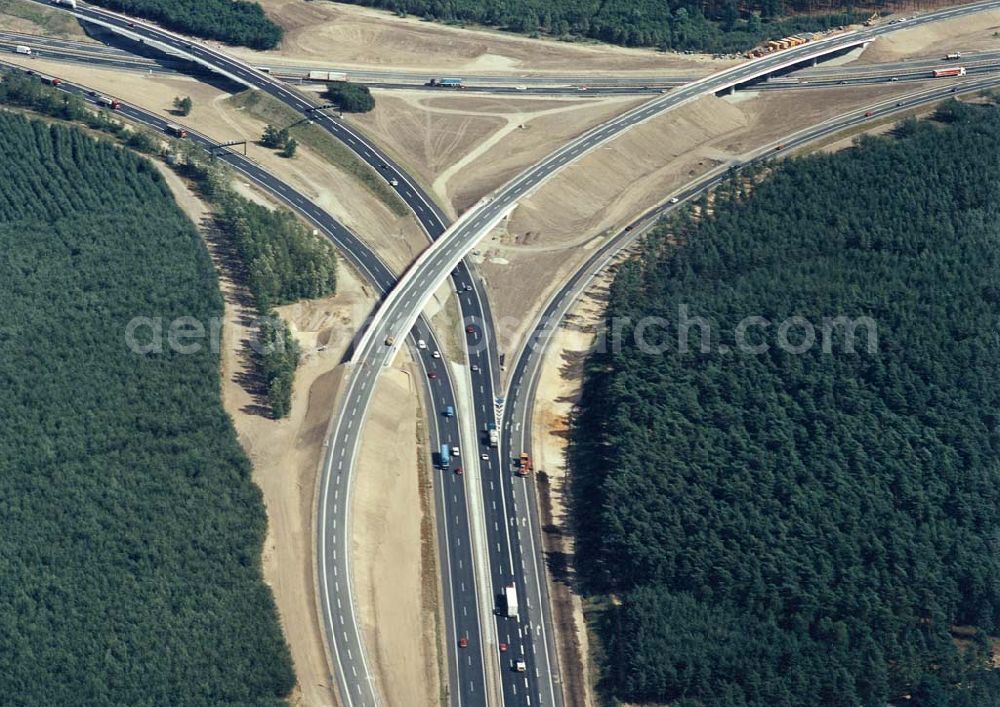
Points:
[[510, 601], [68, 3], [445, 83], [953, 56], [449, 411], [954, 71], [176, 130], [50, 80], [326, 76], [445, 457], [520, 665], [108, 102], [524, 464], [491, 434], [21, 49]]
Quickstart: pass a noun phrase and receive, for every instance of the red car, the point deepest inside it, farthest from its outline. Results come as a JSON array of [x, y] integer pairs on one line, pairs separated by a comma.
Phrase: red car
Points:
[[458, 470], [503, 647], [463, 642], [470, 329]]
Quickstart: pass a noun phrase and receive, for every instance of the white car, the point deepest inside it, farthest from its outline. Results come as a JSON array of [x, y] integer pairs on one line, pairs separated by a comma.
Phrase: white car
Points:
[[436, 354], [484, 456], [421, 344]]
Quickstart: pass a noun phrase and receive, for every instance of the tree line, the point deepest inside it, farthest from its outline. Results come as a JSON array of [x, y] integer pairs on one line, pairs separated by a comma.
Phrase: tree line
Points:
[[813, 526], [717, 26], [236, 22], [130, 568], [282, 260]]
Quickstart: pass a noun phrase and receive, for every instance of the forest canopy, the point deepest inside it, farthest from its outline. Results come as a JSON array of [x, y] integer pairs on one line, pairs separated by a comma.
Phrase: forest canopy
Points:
[[718, 26], [231, 21], [130, 531], [811, 527]]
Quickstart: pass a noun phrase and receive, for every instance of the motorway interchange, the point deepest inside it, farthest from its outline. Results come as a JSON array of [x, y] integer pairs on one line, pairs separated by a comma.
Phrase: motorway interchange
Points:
[[489, 536]]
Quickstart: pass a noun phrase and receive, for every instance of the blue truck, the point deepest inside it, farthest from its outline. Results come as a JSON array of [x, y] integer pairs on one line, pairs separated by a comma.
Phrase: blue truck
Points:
[[445, 456]]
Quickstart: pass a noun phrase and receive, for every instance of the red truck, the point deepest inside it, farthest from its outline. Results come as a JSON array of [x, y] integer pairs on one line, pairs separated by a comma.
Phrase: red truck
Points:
[[954, 71], [524, 464], [112, 103], [176, 130]]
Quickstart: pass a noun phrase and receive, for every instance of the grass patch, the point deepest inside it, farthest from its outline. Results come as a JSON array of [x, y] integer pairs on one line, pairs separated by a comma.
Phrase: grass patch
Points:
[[51, 22], [264, 107]]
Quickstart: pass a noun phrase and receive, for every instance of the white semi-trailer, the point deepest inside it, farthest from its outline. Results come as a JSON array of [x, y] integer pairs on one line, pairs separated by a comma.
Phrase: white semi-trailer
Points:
[[67, 3], [510, 600]]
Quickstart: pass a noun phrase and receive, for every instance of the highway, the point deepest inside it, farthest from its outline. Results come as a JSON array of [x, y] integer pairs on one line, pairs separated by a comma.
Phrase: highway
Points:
[[810, 77], [517, 423], [399, 313], [356, 684], [450, 497]]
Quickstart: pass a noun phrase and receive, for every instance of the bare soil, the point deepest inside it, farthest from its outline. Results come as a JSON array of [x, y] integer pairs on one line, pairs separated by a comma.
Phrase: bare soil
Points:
[[398, 239], [463, 147], [968, 34], [560, 381], [334, 34], [31, 18], [285, 454], [556, 228], [387, 563]]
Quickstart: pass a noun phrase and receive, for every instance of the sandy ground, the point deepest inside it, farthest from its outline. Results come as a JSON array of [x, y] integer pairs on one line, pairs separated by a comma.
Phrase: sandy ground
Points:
[[397, 239], [333, 34], [386, 546], [285, 454], [558, 392], [557, 227], [968, 34], [466, 146], [31, 18]]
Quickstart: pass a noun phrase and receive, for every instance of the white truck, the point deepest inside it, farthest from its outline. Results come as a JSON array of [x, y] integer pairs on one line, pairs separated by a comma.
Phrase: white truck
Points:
[[67, 3], [510, 600], [21, 49], [327, 76]]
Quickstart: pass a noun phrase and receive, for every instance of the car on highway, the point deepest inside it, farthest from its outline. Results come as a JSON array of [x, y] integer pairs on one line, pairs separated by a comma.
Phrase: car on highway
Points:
[[503, 647], [467, 287], [394, 182], [459, 470], [432, 375], [390, 340], [435, 354], [674, 200], [471, 329], [475, 368], [519, 665], [463, 642]]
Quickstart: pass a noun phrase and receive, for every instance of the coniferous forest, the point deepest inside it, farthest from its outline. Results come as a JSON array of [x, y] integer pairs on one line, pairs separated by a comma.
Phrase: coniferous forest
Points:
[[800, 527], [130, 532], [714, 26], [231, 21]]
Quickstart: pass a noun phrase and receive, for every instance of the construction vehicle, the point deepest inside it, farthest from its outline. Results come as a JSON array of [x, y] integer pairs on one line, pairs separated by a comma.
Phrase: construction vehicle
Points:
[[524, 464], [510, 601], [326, 76], [107, 102], [176, 130], [445, 457], [872, 20], [492, 438], [21, 49], [954, 71]]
